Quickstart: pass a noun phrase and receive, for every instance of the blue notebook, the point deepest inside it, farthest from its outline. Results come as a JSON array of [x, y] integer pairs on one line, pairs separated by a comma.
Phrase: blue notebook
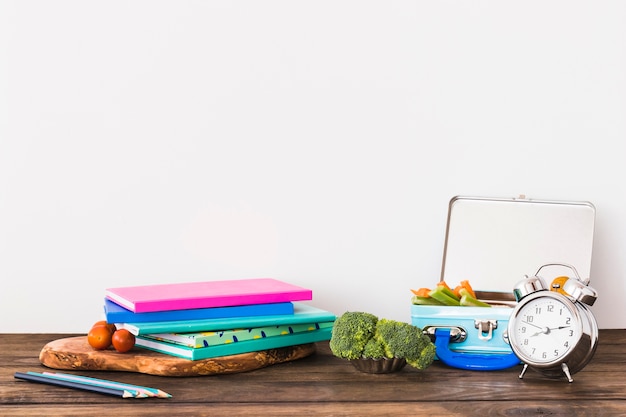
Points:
[[303, 313], [115, 313], [235, 348]]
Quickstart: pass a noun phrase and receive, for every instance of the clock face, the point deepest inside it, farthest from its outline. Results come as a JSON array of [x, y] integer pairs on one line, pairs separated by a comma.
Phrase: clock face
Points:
[[545, 329]]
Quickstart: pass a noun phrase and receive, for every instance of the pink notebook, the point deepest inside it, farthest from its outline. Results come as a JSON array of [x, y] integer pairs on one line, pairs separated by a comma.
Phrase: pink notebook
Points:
[[206, 294]]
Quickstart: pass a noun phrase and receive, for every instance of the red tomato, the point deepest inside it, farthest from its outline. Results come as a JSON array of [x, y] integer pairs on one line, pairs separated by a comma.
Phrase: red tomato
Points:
[[99, 337], [123, 340], [111, 326]]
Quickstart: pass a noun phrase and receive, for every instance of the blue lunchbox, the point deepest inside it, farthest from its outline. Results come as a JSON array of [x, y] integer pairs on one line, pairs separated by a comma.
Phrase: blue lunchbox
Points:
[[494, 243], [468, 337]]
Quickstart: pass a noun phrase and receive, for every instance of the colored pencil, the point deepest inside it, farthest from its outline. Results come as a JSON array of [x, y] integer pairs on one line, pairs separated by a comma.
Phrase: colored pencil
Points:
[[135, 391], [150, 392], [69, 384]]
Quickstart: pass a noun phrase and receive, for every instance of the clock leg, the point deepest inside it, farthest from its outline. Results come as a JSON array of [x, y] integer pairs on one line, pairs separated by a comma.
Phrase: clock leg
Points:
[[521, 375], [566, 372]]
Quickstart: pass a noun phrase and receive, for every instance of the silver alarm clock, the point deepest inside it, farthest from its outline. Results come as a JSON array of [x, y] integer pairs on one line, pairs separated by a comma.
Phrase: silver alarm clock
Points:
[[552, 330]]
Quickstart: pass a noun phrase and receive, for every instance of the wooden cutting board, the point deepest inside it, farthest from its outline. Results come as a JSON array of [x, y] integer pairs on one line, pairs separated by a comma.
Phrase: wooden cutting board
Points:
[[74, 353]]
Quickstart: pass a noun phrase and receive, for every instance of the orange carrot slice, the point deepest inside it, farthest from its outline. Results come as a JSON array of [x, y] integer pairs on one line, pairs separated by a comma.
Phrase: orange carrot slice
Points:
[[422, 292], [465, 284]]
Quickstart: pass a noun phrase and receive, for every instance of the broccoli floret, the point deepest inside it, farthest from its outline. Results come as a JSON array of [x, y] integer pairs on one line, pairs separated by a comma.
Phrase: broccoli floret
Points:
[[403, 340], [357, 334], [427, 356], [374, 349], [351, 332]]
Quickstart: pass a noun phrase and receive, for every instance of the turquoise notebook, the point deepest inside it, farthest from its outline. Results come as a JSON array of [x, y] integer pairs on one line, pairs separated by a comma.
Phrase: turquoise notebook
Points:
[[246, 346], [303, 314], [222, 337]]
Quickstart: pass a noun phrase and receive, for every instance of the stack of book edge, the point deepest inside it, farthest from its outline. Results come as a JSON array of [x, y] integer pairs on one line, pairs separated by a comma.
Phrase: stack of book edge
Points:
[[201, 320]]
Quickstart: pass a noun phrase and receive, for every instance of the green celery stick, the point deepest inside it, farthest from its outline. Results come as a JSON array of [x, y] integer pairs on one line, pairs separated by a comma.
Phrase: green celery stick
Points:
[[425, 301], [469, 301], [441, 294]]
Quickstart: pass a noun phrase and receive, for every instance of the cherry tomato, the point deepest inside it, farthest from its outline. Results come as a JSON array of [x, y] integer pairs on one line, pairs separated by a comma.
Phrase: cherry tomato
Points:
[[123, 340], [99, 337], [111, 326]]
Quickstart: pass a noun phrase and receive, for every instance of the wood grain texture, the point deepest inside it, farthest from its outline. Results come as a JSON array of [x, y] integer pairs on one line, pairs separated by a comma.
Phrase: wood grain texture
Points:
[[75, 353], [323, 385], [341, 409]]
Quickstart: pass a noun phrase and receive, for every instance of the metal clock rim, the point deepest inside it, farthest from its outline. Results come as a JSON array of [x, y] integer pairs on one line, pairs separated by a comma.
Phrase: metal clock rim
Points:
[[512, 336]]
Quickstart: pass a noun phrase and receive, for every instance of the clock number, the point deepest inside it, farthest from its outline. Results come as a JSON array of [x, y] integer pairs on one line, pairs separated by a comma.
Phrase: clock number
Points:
[[550, 308], [529, 319], [537, 310], [568, 320], [523, 329], [556, 352], [571, 333], [566, 344], [544, 355]]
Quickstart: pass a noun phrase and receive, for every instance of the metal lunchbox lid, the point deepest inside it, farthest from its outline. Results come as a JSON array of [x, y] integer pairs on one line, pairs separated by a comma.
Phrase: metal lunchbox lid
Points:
[[495, 242]]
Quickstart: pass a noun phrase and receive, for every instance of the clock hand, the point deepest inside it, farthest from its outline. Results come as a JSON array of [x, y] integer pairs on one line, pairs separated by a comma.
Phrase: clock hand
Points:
[[542, 330], [545, 330], [532, 324]]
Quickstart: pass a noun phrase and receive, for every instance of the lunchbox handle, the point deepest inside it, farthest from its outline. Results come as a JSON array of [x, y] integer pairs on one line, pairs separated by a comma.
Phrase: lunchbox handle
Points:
[[471, 361]]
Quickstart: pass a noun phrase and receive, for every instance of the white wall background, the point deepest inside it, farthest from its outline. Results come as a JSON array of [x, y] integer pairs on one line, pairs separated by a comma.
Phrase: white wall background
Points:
[[316, 142]]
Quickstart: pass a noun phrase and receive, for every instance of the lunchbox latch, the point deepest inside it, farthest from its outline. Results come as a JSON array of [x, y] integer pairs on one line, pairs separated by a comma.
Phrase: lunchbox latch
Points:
[[485, 328]]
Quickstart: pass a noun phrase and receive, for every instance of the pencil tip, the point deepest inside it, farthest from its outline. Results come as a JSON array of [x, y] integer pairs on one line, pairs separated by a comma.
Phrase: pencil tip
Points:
[[164, 394]]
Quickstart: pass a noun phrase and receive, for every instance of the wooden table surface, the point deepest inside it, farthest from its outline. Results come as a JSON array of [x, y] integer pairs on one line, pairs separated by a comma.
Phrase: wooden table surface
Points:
[[322, 384]]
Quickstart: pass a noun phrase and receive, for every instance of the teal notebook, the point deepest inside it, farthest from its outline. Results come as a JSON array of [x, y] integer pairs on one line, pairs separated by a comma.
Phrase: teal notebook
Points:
[[245, 346], [303, 314], [222, 337]]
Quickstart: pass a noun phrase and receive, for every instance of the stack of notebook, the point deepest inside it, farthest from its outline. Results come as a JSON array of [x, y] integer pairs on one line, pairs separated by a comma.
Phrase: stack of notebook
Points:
[[200, 320]]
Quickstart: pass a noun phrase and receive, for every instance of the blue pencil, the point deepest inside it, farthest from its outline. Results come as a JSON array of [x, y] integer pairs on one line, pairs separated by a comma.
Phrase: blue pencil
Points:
[[137, 393], [69, 384], [150, 392]]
